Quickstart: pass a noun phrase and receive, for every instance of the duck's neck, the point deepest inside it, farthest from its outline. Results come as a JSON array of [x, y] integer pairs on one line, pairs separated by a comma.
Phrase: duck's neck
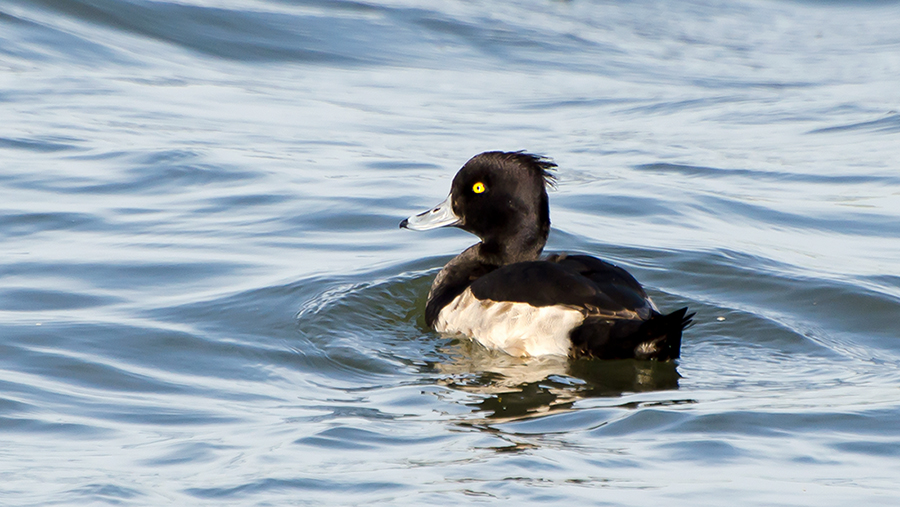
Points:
[[523, 245]]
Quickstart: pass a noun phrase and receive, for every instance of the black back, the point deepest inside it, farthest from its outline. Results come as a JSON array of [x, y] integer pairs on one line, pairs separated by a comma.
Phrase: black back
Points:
[[575, 280]]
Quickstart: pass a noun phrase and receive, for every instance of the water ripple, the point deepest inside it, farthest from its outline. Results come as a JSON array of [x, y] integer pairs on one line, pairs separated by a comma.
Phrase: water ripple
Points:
[[205, 296]]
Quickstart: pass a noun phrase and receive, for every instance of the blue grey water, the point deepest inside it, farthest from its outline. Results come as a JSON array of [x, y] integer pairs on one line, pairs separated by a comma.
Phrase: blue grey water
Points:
[[205, 298]]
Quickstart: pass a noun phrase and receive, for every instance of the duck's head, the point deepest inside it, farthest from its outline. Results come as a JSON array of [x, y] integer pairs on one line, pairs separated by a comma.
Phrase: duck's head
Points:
[[501, 197]]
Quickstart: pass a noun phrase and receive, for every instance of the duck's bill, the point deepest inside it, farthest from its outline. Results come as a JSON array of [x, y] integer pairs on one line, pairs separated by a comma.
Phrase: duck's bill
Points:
[[441, 215]]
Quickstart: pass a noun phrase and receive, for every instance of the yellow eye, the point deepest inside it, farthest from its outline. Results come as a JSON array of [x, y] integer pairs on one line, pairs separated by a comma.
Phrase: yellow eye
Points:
[[478, 187]]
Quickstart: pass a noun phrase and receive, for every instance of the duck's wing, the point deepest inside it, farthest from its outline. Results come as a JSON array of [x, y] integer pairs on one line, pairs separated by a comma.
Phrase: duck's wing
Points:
[[611, 280], [595, 287]]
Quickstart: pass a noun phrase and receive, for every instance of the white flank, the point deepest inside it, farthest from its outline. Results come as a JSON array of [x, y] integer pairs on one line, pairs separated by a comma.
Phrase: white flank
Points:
[[518, 329]]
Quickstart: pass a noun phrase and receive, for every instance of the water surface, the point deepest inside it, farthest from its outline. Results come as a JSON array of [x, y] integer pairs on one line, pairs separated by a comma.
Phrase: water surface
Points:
[[205, 298]]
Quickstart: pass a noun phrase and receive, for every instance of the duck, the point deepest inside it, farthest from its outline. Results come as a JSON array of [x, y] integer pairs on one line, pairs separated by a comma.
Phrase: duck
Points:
[[502, 294]]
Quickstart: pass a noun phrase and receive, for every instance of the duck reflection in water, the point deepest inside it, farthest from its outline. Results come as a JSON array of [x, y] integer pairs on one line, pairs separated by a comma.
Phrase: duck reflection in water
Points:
[[508, 388]]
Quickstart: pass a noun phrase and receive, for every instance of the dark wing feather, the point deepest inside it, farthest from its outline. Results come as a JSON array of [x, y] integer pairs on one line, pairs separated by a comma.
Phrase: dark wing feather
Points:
[[597, 287], [610, 279]]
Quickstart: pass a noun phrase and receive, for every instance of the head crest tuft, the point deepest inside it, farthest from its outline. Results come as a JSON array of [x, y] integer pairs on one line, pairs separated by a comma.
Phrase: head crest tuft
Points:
[[541, 165]]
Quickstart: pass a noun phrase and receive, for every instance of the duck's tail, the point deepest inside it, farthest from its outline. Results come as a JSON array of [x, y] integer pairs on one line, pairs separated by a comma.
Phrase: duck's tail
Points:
[[659, 337]]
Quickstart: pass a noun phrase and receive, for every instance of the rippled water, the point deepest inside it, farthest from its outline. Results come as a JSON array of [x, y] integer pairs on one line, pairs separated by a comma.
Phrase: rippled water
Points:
[[205, 298]]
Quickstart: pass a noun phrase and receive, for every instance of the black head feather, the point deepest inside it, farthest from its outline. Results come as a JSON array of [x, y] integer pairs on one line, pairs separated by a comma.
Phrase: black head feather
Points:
[[502, 198]]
